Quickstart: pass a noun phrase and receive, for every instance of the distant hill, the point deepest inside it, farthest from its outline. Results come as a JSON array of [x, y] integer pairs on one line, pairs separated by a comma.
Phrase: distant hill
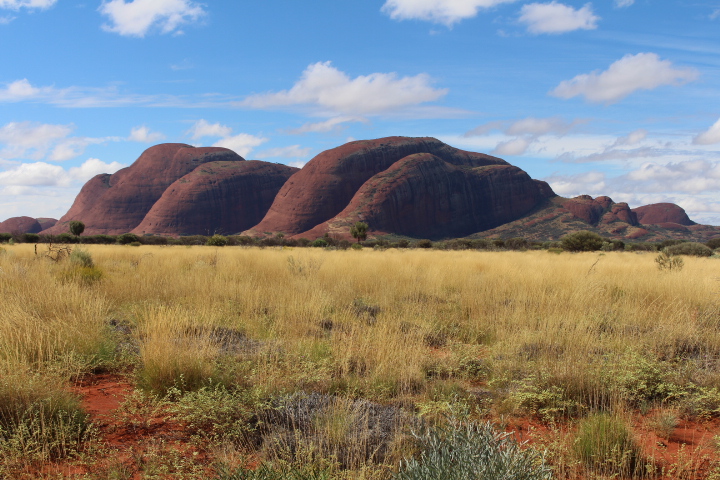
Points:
[[400, 186]]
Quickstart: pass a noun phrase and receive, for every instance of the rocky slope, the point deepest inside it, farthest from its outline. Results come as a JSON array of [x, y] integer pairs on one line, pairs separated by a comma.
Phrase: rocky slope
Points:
[[410, 186], [222, 197], [559, 216], [26, 225], [113, 204]]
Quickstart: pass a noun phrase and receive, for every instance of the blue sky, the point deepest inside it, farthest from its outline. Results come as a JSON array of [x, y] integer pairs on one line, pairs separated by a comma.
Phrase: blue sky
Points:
[[618, 98]]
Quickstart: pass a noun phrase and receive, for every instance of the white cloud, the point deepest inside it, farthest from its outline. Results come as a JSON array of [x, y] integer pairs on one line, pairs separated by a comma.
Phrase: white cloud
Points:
[[715, 14], [554, 18], [527, 126], [447, 12], [136, 17], [334, 92], [516, 146], [644, 71], [332, 124], [6, 19], [18, 4], [30, 140], [242, 144], [710, 136], [633, 138], [143, 134], [591, 183], [92, 167], [292, 151], [623, 3], [45, 174], [202, 128]]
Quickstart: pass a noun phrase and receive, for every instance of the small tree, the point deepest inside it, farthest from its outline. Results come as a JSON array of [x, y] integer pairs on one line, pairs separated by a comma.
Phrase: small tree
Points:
[[359, 231], [76, 227]]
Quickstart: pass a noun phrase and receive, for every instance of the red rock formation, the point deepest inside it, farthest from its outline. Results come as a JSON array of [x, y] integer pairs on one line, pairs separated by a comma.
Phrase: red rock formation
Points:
[[325, 186], [218, 197], [20, 225], [599, 210], [46, 222], [113, 204], [658, 213], [424, 196]]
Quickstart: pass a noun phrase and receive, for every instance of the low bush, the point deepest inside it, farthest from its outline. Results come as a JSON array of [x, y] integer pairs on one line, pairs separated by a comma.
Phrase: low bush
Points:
[[320, 242], [39, 419], [29, 238], [472, 451], [582, 241], [713, 243], [669, 263], [605, 445], [81, 258], [217, 241], [5, 237], [127, 238], [423, 244], [689, 248]]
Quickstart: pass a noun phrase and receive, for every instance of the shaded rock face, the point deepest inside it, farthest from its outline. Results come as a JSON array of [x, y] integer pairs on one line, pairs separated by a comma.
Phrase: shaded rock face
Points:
[[327, 184], [46, 223], [599, 210], [659, 213], [424, 196], [20, 225], [222, 197], [118, 203]]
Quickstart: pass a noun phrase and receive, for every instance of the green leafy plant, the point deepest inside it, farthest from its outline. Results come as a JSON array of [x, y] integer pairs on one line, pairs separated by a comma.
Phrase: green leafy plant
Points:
[[467, 450], [359, 231]]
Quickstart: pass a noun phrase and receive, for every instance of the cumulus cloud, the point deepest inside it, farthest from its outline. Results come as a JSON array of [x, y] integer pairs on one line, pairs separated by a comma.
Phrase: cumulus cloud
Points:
[[292, 151], [446, 12], [135, 18], [324, 87], [644, 71], [29, 4], [591, 183], [332, 124], [527, 126], [143, 134], [710, 136], [555, 18], [203, 128], [45, 174], [242, 144]]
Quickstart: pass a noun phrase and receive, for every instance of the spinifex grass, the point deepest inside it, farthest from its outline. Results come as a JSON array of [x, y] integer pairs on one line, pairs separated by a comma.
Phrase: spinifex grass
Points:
[[530, 333]]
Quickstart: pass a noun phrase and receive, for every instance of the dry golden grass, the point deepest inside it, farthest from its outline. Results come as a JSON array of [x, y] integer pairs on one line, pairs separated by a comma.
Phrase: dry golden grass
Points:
[[407, 326]]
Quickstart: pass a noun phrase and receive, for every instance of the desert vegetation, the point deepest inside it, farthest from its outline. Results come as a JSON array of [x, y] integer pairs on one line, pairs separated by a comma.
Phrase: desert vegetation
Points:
[[365, 363]]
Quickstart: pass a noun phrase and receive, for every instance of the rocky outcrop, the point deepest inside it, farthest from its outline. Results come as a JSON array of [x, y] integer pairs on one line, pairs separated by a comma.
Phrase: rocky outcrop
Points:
[[327, 184], [599, 210], [118, 203], [659, 213], [24, 224], [424, 196], [222, 197]]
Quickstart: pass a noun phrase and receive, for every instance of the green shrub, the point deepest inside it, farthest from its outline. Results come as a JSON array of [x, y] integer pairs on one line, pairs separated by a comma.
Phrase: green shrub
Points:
[[134, 244], [469, 451], [320, 242], [605, 445], [217, 241], [713, 243], [127, 238], [29, 238], [517, 243], [582, 241], [356, 246], [424, 243], [82, 258], [666, 262], [5, 237], [689, 248]]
